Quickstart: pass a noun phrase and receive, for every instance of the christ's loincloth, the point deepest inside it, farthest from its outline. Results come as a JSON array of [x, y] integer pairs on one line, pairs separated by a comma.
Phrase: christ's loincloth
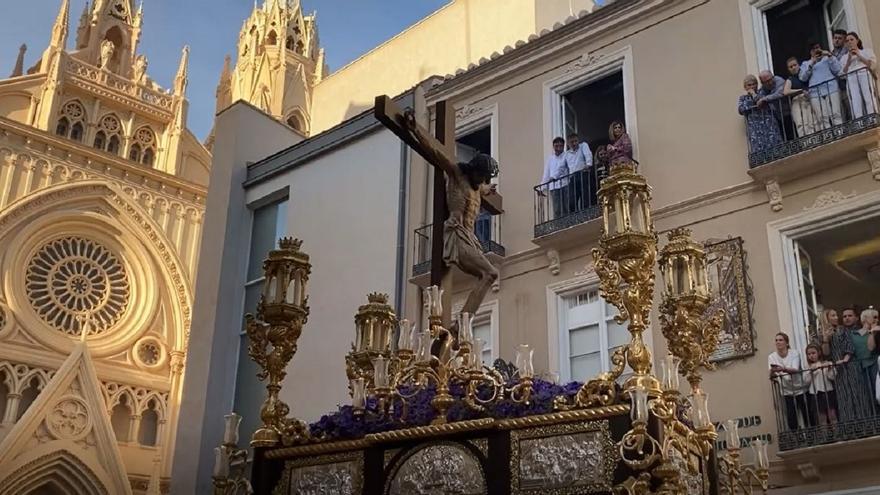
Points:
[[458, 240]]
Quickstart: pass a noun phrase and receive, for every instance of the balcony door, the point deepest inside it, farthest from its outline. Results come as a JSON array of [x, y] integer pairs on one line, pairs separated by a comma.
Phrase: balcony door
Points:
[[807, 292]]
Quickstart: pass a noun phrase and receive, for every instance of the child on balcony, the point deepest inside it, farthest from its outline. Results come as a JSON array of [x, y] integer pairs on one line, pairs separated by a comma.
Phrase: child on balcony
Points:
[[821, 400]]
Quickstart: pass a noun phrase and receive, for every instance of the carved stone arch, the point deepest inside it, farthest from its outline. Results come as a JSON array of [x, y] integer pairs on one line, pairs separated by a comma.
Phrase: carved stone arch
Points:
[[161, 406], [7, 376], [26, 380], [137, 222], [116, 399], [296, 119], [60, 469]]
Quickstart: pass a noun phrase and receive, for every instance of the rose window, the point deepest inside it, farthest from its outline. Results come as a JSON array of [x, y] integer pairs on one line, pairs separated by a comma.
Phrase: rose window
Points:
[[149, 352], [110, 124], [73, 110], [73, 280], [144, 136]]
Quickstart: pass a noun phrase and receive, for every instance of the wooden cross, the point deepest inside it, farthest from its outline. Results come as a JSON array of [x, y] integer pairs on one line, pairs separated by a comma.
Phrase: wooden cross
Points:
[[439, 151]]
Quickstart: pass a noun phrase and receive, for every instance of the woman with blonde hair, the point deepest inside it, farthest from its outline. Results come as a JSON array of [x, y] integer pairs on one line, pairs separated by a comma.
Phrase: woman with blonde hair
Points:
[[762, 127], [621, 148]]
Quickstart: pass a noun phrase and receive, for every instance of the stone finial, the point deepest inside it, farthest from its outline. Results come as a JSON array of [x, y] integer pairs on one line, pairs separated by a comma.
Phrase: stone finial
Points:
[[19, 61]]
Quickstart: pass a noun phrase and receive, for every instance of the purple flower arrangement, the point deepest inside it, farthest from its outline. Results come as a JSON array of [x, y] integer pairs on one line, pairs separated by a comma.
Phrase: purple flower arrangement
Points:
[[344, 424]]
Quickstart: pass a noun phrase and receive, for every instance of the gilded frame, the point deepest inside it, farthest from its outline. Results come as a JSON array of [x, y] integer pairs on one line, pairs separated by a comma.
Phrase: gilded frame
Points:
[[609, 450], [283, 487], [465, 446], [732, 291]]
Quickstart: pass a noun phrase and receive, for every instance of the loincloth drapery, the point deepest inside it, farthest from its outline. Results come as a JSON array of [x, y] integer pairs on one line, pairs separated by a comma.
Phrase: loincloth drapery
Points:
[[457, 239]]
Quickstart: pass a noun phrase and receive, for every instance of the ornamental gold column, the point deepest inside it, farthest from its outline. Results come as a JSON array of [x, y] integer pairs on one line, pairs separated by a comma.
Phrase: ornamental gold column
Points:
[[273, 334], [624, 262]]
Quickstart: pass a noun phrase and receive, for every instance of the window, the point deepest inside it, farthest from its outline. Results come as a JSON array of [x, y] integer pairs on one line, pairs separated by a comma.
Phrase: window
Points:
[[272, 39], [588, 335], [589, 110], [134, 154], [482, 326], [268, 225], [289, 43], [120, 419], [70, 124], [149, 427], [145, 142], [107, 138], [467, 147]]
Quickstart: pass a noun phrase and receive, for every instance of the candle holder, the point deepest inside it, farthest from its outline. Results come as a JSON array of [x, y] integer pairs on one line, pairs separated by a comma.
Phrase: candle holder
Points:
[[736, 477], [273, 334], [375, 323], [230, 475]]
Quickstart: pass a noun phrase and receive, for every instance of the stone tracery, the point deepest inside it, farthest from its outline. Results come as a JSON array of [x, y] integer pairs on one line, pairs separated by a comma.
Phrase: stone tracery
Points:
[[72, 277]]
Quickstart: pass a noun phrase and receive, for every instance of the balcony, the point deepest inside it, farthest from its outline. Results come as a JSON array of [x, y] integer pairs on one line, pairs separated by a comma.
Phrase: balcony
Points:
[[487, 229], [826, 406], [806, 132], [566, 208]]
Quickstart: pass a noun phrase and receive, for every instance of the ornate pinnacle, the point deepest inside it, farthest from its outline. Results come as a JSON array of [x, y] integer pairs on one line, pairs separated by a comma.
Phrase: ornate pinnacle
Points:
[[289, 243], [679, 232], [377, 297]]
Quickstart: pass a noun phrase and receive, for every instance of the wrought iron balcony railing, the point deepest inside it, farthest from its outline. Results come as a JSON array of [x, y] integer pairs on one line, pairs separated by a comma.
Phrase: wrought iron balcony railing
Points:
[[829, 404], [567, 201], [487, 229], [823, 113]]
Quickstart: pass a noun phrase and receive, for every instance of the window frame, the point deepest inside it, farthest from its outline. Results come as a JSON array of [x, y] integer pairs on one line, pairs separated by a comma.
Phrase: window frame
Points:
[[588, 70], [756, 38], [558, 332]]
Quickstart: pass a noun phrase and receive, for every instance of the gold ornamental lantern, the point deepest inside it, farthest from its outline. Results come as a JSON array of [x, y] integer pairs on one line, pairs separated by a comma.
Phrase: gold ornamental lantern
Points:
[[626, 213], [375, 323], [273, 334], [624, 261], [691, 334]]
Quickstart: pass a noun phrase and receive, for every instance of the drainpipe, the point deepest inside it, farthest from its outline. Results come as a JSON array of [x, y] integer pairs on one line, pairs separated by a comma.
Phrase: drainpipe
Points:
[[400, 268]]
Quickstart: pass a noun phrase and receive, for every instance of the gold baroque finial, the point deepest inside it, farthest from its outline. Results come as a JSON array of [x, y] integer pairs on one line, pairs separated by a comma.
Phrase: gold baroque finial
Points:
[[678, 232], [377, 297], [289, 243]]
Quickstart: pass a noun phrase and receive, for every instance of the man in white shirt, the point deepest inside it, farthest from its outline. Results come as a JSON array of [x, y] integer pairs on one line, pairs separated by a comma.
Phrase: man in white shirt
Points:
[[555, 179], [579, 159]]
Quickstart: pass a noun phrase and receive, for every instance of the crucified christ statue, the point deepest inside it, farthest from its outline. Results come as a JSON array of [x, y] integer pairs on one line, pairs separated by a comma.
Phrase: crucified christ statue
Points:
[[467, 188]]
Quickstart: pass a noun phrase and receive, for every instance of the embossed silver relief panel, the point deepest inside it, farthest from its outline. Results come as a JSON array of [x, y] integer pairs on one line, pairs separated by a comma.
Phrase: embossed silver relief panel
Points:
[[561, 461], [341, 478], [438, 469]]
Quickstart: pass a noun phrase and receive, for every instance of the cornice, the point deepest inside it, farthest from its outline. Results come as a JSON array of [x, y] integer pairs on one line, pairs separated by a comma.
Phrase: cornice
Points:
[[574, 31], [80, 156]]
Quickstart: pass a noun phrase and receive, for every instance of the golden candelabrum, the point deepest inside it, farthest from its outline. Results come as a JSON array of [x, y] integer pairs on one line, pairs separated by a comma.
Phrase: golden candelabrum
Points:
[[735, 477], [273, 334], [432, 357], [230, 463]]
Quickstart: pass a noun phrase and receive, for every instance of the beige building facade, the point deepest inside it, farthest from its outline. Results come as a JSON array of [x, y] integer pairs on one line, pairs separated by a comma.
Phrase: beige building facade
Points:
[[102, 197], [672, 72]]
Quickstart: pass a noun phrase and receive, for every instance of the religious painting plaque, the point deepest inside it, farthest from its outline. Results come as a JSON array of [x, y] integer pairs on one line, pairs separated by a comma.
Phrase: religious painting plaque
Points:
[[731, 291], [334, 474], [438, 467], [562, 459]]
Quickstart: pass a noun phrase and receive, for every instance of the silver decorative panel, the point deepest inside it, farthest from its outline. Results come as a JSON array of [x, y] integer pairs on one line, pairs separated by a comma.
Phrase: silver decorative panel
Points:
[[441, 468]]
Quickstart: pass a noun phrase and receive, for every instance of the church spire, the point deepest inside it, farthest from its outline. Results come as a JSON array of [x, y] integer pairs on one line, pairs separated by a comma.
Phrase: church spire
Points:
[[19, 61], [59, 29], [180, 79]]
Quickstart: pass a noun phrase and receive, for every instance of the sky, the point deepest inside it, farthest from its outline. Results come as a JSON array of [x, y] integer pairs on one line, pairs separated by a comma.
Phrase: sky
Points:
[[347, 28]]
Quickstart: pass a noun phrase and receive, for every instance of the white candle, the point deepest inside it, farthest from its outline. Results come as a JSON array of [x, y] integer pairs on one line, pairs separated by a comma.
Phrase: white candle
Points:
[[639, 407], [221, 463], [358, 396], [230, 436], [524, 361], [731, 426]]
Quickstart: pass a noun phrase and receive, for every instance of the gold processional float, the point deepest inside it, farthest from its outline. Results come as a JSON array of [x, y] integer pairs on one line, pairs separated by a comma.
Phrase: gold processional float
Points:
[[670, 433]]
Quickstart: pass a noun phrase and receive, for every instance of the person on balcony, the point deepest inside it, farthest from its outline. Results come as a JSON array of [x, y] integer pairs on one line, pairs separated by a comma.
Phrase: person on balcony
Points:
[[600, 161], [621, 148], [579, 159], [865, 346], [839, 49], [796, 91], [761, 126], [772, 93], [555, 179], [820, 72], [785, 373], [822, 401], [852, 391], [860, 76]]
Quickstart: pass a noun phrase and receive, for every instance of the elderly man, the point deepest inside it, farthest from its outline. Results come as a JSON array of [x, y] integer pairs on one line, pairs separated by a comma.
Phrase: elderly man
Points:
[[579, 159], [771, 93], [821, 72]]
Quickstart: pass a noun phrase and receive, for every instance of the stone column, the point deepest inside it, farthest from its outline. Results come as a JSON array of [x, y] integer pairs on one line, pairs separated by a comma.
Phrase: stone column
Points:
[[12, 402]]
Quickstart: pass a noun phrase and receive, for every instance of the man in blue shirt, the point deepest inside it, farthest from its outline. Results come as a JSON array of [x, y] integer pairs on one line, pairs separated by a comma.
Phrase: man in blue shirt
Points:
[[821, 71], [771, 93], [579, 159]]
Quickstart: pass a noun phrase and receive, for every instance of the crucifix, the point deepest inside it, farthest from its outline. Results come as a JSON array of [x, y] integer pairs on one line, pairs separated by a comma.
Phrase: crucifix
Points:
[[460, 190]]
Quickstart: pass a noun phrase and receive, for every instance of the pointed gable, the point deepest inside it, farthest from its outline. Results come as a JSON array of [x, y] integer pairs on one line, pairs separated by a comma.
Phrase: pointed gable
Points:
[[65, 434]]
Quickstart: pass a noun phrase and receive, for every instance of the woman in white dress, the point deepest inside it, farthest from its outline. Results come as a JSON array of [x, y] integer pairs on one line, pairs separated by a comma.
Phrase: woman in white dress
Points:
[[858, 65]]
